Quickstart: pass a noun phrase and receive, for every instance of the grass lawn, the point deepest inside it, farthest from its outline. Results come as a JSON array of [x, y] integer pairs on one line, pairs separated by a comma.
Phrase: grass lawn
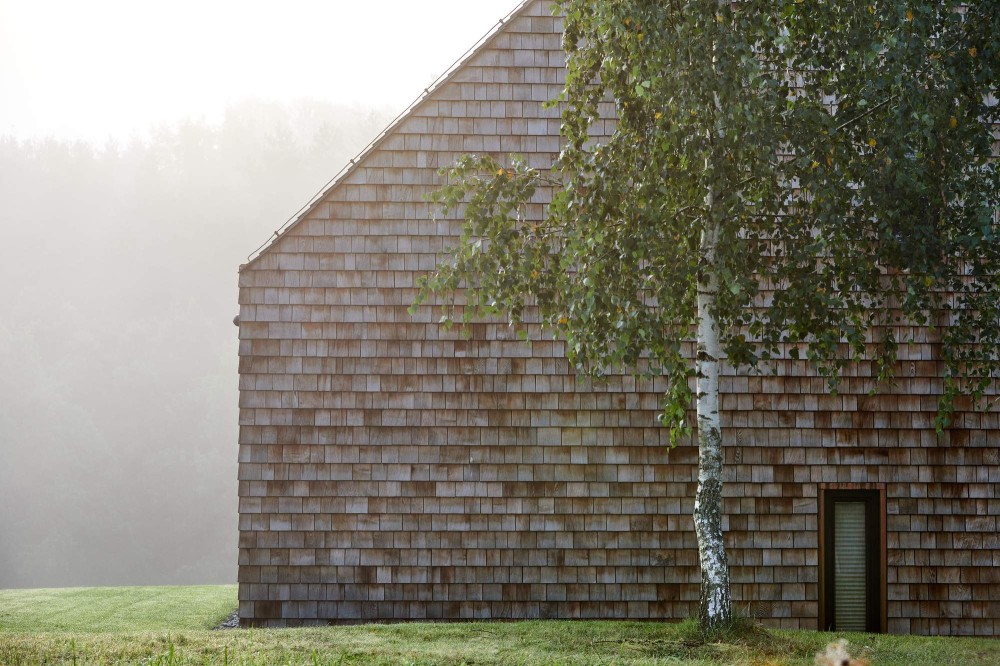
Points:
[[116, 609], [166, 627]]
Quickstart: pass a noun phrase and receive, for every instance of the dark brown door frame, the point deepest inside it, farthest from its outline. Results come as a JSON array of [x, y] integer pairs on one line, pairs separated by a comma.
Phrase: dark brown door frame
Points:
[[874, 497]]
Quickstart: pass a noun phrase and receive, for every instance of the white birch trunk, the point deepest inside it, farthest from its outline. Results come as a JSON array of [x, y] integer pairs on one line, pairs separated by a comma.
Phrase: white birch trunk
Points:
[[716, 601]]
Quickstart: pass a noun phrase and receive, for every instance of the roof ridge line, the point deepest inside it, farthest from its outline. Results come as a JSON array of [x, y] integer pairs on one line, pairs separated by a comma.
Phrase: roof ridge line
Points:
[[348, 168]]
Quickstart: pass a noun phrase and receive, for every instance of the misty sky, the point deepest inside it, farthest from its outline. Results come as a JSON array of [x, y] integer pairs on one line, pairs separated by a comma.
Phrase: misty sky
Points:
[[91, 70], [118, 356]]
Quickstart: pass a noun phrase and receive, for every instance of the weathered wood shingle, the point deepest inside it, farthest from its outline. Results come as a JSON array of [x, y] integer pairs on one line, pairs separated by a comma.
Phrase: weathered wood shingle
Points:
[[393, 470]]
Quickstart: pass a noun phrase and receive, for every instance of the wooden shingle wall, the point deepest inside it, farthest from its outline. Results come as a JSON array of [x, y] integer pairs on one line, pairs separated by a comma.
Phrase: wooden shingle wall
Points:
[[788, 439], [392, 470]]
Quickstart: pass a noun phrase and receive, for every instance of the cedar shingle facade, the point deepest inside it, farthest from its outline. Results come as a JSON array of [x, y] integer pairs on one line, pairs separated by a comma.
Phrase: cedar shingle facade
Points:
[[391, 470]]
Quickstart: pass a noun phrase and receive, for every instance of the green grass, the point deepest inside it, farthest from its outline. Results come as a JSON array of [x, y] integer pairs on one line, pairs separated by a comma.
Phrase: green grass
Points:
[[165, 627], [116, 609]]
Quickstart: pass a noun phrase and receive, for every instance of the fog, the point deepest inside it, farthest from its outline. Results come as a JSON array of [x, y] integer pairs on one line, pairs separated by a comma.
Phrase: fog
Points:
[[118, 259], [117, 347]]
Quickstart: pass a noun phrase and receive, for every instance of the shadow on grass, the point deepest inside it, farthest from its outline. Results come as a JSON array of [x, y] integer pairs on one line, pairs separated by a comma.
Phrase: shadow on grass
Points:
[[743, 641]]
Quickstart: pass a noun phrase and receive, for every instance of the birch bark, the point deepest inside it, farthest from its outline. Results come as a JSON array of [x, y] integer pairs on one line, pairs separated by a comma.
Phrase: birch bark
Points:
[[716, 601]]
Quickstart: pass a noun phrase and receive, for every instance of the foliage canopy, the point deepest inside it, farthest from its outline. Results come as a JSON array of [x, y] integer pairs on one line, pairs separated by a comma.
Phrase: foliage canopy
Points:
[[843, 152]]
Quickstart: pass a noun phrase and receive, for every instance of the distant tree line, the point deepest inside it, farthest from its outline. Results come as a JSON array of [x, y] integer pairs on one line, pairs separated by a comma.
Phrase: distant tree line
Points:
[[118, 378]]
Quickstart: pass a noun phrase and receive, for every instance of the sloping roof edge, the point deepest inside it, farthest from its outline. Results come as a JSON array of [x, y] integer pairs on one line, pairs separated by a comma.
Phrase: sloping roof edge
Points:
[[349, 168]]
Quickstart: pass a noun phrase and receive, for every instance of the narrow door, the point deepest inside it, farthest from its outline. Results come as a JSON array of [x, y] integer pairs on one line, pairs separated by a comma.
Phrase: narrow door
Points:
[[852, 547]]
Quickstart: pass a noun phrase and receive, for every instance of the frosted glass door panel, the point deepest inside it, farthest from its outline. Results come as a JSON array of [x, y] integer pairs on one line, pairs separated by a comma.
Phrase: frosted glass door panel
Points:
[[850, 566]]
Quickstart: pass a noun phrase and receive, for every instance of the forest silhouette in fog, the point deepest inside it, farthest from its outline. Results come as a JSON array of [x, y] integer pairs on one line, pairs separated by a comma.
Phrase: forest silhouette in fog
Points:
[[118, 356]]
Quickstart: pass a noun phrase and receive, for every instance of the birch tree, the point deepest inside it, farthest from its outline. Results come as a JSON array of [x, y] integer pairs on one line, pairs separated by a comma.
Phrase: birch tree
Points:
[[785, 179]]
